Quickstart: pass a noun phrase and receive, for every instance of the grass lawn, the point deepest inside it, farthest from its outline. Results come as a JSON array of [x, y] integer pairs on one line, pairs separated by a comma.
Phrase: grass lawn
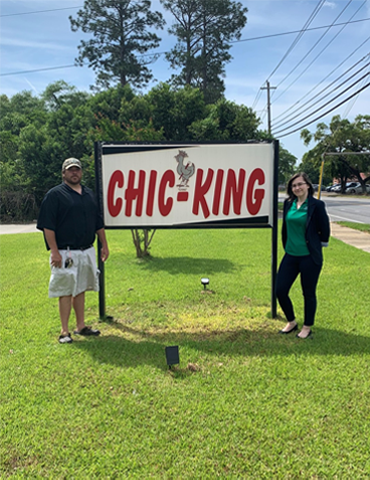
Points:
[[244, 402], [363, 227]]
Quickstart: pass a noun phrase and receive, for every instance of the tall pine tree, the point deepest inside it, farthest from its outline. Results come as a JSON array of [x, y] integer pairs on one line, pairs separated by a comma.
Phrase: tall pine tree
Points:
[[204, 31], [120, 35]]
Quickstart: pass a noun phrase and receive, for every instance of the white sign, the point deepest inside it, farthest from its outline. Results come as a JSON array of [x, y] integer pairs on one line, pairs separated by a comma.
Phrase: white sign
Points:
[[187, 185]]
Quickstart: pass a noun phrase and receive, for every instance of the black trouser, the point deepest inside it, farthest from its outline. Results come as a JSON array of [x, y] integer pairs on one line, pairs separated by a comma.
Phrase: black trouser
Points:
[[289, 269]]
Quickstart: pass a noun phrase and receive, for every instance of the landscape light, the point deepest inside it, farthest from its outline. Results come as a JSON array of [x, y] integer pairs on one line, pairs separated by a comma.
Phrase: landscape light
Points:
[[172, 355], [205, 282]]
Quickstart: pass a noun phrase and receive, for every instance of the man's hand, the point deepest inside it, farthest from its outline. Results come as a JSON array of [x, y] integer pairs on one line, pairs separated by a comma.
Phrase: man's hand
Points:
[[55, 256], [56, 259], [104, 253]]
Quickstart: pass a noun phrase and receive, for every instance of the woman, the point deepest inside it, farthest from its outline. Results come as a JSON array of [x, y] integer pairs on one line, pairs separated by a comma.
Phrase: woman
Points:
[[306, 229]]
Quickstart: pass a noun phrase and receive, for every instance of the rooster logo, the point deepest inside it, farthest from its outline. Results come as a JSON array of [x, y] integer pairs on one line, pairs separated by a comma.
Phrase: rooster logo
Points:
[[184, 169]]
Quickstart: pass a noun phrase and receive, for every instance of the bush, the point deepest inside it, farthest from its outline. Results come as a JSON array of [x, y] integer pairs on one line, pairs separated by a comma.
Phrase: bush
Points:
[[17, 206]]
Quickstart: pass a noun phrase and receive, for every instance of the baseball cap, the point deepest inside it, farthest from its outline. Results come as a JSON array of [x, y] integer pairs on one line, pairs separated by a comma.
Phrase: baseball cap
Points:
[[71, 162]]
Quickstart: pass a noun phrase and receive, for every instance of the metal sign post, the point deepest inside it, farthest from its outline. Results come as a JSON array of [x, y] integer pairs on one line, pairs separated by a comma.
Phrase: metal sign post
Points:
[[99, 193]]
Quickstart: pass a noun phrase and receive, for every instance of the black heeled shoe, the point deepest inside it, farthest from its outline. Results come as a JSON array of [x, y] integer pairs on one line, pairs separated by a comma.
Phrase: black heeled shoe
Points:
[[304, 338], [289, 331]]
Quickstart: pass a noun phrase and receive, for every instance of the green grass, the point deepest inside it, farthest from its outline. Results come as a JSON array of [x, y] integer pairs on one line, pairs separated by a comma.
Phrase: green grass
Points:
[[243, 403], [363, 227]]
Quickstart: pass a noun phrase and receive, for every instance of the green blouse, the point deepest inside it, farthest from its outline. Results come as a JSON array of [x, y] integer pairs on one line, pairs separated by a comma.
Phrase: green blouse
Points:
[[296, 229]]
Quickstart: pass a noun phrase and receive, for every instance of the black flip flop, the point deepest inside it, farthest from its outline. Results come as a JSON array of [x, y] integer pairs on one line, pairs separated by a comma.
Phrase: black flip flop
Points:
[[87, 332]]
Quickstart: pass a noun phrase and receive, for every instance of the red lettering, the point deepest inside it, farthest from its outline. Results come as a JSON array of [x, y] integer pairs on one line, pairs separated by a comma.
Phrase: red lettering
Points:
[[234, 189], [132, 193], [200, 191], [151, 191], [255, 196], [165, 207], [217, 192], [116, 180]]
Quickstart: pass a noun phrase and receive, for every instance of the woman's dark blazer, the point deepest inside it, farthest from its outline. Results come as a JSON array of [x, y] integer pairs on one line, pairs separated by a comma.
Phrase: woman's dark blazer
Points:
[[317, 227]]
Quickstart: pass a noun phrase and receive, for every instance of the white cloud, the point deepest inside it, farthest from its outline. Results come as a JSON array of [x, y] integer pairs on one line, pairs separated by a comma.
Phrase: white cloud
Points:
[[329, 4]]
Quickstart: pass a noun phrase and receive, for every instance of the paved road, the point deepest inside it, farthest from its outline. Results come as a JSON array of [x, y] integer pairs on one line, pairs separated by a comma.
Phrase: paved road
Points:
[[345, 208]]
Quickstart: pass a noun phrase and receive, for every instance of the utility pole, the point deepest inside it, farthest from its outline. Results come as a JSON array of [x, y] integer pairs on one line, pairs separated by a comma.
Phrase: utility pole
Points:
[[268, 88]]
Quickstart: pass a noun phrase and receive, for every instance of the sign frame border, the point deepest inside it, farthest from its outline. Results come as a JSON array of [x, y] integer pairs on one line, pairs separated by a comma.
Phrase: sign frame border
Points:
[[98, 154]]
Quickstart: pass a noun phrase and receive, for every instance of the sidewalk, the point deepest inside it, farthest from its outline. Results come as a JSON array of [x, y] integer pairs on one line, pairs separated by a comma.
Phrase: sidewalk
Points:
[[21, 228], [351, 236]]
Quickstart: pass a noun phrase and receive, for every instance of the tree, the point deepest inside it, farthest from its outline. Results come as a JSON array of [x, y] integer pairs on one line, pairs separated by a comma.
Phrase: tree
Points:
[[121, 33], [69, 118], [175, 110], [17, 199], [129, 122], [286, 165], [204, 31], [311, 164], [342, 136], [226, 121]]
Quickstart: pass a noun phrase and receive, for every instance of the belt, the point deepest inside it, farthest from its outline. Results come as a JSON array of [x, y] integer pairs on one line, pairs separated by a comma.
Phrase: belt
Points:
[[77, 248]]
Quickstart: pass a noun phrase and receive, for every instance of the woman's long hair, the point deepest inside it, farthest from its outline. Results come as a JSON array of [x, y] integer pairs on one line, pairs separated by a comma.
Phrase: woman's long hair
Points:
[[306, 178]]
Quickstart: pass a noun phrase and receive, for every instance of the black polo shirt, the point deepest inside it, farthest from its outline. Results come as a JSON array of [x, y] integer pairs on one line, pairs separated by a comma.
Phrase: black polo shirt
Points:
[[73, 217]]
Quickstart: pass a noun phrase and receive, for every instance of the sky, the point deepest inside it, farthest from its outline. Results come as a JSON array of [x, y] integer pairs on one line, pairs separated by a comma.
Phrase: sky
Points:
[[305, 70]]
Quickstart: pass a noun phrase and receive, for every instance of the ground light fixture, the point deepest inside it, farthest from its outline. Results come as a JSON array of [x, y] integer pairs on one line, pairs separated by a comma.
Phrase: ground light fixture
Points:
[[172, 355], [205, 282]]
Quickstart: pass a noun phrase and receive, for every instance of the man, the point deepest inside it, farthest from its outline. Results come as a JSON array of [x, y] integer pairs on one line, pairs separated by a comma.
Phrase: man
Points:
[[70, 219]]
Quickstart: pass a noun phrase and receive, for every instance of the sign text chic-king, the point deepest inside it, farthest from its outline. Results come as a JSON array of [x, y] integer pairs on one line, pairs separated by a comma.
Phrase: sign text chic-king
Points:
[[157, 192]]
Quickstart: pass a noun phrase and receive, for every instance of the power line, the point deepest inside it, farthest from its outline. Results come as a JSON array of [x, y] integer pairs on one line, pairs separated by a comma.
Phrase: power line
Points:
[[37, 70], [289, 33], [258, 95], [290, 118], [39, 11], [314, 46], [299, 36], [327, 76], [325, 104], [317, 56], [51, 10], [351, 105], [256, 99], [348, 109], [327, 112], [298, 31]]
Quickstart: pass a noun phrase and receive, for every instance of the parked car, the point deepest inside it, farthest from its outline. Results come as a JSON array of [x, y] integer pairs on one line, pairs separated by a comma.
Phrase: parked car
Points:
[[338, 188], [357, 188], [330, 188], [316, 187]]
